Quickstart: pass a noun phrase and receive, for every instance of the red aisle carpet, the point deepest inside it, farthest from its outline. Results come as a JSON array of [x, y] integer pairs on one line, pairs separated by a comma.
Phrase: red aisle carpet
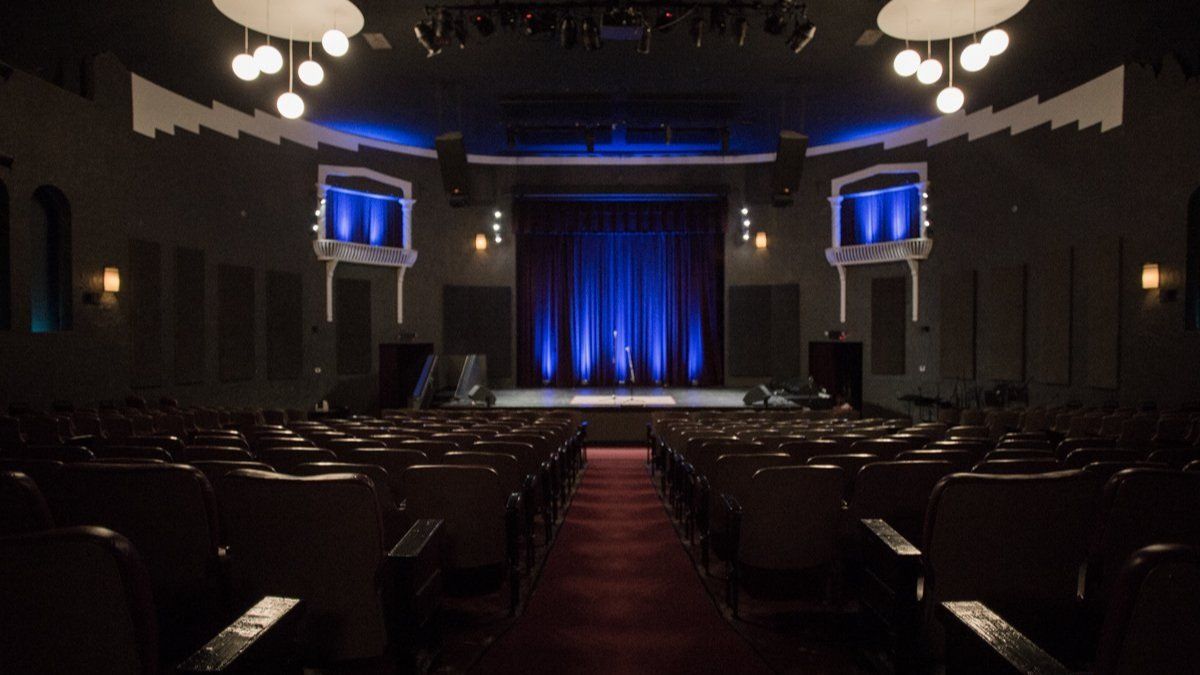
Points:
[[618, 593]]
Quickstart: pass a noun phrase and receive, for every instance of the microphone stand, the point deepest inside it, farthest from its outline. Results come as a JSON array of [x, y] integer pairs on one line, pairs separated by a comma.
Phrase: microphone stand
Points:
[[616, 379]]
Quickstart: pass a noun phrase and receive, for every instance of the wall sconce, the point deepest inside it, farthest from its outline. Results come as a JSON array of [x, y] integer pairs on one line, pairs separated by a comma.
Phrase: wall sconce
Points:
[[481, 242], [760, 240], [1150, 277], [112, 280]]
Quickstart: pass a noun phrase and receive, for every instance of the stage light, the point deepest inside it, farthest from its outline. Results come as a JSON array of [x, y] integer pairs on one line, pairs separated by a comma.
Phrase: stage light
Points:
[[589, 34], [245, 67], [907, 62], [973, 58], [760, 240], [929, 71], [480, 242], [699, 26], [268, 59], [803, 34], [335, 42], [290, 105], [950, 100], [311, 73], [483, 24], [740, 29], [426, 37], [568, 32], [995, 41]]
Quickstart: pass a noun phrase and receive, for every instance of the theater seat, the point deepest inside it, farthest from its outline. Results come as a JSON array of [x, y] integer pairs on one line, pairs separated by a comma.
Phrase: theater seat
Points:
[[320, 538], [215, 469], [731, 475], [897, 492], [395, 521], [131, 452], [23, 510], [285, 459], [786, 525], [78, 600], [1018, 466], [482, 523], [209, 453]]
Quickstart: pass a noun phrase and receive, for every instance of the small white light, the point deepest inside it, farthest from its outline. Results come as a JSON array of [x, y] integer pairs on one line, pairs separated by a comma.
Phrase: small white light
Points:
[[498, 239], [924, 207], [495, 227], [498, 215], [268, 59], [906, 62], [245, 67], [323, 201], [974, 58], [927, 223], [995, 41], [924, 195], [317, 212], [745, 236], [316, 227], [290, 105], [745, 210], [311, 73], [950, 100], [929, 71], [746, 223], [335, 42]]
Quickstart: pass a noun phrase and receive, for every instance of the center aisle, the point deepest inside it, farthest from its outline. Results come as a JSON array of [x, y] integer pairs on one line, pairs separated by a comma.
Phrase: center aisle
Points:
[[618, 593]]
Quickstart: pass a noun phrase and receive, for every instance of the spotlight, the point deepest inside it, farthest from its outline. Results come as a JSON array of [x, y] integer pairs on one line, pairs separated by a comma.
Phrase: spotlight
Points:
[[644, 41], [568, 32], [483, 24], [740, 28], [666, 19], [802, 35], [426, 37], [589, 34], [698, 28]]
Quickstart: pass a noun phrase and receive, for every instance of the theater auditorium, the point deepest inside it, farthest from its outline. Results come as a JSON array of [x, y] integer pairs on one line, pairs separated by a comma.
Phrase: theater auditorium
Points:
[[376, 337]]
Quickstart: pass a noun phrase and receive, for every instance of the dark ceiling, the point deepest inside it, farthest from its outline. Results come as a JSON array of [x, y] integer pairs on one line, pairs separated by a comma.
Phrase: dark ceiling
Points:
[[832, 90]]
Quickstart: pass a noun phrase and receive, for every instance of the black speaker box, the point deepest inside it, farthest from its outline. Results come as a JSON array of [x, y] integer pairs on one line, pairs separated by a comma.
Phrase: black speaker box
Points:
[[789, 165], [452, 158]]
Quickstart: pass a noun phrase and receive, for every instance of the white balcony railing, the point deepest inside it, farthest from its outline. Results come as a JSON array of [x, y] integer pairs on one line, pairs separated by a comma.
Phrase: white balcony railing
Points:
[[884, 252]]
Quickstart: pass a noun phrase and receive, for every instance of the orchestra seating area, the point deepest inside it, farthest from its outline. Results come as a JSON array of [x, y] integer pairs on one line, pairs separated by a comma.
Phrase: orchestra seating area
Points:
[[1036, 540], [138, 540]]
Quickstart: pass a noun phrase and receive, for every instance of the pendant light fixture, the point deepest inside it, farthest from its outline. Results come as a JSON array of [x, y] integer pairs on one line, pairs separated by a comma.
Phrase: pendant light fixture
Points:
[[243, 64], [950, 99], [930, 70], [906, 62], [975, 56], [311, 73], [290, 104]]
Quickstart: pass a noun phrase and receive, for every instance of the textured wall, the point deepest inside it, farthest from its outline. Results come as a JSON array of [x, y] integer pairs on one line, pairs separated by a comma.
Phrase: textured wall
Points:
[[210, 201]]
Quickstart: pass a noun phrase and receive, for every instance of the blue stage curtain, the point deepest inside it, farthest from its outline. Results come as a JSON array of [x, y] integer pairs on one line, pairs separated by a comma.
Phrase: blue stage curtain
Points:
[[362, 218], [650, 269], [873, 217]]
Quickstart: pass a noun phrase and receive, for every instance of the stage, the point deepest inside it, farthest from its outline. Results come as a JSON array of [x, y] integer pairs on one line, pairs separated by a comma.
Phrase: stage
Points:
[[620, 416]]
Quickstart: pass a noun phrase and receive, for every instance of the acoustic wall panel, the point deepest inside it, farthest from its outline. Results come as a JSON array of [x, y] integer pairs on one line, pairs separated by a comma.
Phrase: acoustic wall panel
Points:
[[142, 294], [749, 324], [1100, 285], [352, 312], [957, 336], [1049, 340], [478, 320], [889, 297], [764, 331], [1000, 324], [285, 325], [235, 323], [191, 344]]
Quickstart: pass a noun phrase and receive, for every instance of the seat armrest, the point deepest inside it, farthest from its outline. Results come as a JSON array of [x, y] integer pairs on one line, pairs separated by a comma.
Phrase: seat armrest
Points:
[[734, 512], [412, 578], [261, 640], [979, 641], [892, 573]]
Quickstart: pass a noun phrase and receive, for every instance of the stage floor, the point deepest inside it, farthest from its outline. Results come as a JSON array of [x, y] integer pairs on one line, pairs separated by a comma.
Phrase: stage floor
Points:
[[637, 397]]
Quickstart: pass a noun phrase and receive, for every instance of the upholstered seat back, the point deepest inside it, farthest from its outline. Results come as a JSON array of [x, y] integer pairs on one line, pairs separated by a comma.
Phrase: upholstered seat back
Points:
[[471, 502], [790, 517]]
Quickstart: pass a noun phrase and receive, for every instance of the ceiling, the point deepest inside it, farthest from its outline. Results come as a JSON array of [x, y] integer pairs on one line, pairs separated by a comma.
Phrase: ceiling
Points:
[[832, 90]]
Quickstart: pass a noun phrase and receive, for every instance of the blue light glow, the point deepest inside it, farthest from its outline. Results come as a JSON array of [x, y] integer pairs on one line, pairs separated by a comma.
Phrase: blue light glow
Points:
[[362, 218], [890, 214]]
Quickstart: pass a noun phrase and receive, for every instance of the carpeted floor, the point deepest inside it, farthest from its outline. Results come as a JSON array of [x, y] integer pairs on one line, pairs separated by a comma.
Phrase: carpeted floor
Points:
[[618, 594]]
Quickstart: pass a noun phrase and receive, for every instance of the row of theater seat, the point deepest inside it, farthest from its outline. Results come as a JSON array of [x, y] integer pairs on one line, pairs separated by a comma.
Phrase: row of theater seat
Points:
[[222, 519], [1127, 426], [1010, 528]]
